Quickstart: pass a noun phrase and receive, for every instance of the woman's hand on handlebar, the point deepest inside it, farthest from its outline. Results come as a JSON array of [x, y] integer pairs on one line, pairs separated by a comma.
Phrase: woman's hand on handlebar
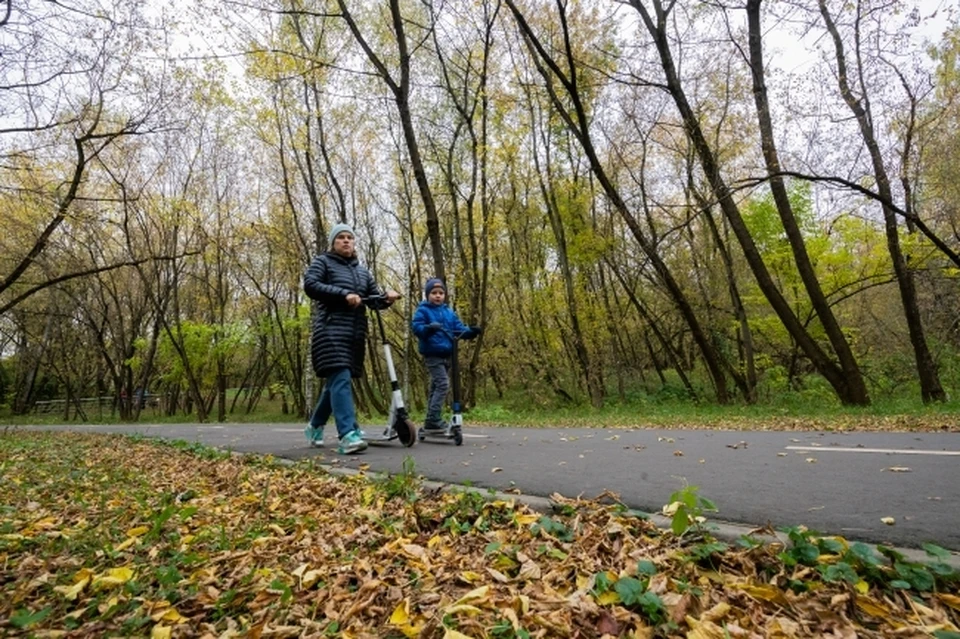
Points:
[[354, 300], [377, 301]]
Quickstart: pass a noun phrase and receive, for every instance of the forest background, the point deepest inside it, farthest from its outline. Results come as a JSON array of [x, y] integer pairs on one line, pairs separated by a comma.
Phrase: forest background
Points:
[[646, 204]]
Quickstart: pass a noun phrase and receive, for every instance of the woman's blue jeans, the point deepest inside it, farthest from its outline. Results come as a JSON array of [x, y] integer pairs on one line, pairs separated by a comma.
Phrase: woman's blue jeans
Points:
[[336, 399]]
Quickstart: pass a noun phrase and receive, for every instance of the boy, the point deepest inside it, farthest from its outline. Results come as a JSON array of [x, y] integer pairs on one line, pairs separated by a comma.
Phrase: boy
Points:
[[437, 325]]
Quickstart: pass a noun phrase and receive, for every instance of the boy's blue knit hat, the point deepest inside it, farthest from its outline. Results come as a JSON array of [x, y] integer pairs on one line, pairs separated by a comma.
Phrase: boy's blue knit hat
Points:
[[433, 283], [337, 230]]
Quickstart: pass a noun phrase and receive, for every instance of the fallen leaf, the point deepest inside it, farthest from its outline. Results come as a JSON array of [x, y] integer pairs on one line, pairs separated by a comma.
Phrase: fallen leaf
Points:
[[811, 460], [495, 469], [888, 520], [160, 632], [607, 624], [898, 469]]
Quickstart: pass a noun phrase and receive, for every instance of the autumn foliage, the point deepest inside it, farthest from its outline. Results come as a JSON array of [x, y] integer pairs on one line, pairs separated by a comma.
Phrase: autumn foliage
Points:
[[113, 536]]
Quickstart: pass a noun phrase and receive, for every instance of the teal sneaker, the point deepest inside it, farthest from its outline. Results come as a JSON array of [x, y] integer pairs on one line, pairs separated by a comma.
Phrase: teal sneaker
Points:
[[351, 443], [314, 436]]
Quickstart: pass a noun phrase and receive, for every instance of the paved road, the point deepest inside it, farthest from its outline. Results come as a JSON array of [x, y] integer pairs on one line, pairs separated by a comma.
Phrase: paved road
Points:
[[834, 483]]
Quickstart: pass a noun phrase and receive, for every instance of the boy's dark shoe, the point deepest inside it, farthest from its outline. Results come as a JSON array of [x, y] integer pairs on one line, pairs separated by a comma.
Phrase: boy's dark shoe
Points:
[[434, 426]]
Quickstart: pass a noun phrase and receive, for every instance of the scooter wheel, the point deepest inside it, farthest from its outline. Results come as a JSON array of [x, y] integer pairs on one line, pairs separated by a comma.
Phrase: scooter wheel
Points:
[[458, 438], [409, 433]]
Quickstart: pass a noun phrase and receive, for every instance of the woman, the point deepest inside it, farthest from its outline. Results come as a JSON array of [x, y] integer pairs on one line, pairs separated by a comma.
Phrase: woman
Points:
[[338, 282]]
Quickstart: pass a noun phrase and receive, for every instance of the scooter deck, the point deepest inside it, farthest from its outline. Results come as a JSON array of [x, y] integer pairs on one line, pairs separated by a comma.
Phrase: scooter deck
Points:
[[455, 434], [387, 436]]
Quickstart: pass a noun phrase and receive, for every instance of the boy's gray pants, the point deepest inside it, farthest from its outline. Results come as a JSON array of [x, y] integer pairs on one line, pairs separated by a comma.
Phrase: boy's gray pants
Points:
[[438, 368]]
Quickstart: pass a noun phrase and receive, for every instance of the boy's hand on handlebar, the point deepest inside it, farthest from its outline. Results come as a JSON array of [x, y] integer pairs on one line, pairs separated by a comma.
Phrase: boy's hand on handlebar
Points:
[[392, 296], [354, 300]]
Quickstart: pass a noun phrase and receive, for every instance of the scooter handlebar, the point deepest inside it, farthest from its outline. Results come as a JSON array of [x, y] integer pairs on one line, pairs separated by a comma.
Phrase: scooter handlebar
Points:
[[455, 335], [376, 302]]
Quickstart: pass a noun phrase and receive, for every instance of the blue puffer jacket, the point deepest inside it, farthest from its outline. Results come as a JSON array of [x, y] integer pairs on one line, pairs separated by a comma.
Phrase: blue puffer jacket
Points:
[[438, 343]]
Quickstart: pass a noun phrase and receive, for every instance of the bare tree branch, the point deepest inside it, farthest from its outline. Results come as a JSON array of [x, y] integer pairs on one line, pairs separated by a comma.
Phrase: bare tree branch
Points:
[[907, 215], [91, 271]]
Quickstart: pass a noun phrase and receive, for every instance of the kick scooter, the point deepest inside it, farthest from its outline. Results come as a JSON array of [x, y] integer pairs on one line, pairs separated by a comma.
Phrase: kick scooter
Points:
[[398, 425], [454, 426]]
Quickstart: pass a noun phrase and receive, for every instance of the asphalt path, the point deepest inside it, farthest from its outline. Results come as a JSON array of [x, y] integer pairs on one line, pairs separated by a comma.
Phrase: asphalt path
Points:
[[835, 483]]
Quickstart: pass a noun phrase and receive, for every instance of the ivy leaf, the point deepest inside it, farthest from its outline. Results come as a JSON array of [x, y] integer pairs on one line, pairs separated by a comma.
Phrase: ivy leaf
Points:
[[23, 618], [630, 589]]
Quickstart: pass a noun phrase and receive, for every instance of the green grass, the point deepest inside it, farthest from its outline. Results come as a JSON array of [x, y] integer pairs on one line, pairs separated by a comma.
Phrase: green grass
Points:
[[664, 407]]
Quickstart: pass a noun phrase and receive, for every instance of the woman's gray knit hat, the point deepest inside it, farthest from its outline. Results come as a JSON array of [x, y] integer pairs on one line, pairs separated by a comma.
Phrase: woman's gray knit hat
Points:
[[337, 230]]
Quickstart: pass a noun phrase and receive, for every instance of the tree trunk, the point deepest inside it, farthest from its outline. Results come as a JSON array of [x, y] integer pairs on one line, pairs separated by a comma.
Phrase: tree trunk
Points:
[[851, 392], [580, 129], [808, 276], [930, 387]]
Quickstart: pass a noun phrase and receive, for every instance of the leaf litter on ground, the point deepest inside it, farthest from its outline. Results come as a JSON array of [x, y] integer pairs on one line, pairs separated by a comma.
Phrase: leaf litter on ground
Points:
[[104, 535]]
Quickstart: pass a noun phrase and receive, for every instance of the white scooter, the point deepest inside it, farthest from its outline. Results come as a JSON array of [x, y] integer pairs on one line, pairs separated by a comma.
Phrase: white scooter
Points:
[[398, 426], [453, 428]]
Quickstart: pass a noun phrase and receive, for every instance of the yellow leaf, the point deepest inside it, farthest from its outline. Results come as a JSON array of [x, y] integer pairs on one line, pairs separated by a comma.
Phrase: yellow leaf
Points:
[[411, 631], [526, 520], [888, 520], [474, 595], [260, 541], [70, 593], [160, 632], [400, 619], [126, 543], [470, 577], [764, 593], [467, 608], [951, 600], [170, 616], [138, 531], [453, 634], [401, 614], [716, 613], [862, 587], [608, 598], [105, 606], [524, 604], [113, 577], [704, 629], [873, 607], [310, 579], [512, 617]]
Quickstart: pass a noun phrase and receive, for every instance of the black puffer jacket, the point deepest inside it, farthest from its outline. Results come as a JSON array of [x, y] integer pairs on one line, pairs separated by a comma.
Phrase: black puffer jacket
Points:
[[339, 332]]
